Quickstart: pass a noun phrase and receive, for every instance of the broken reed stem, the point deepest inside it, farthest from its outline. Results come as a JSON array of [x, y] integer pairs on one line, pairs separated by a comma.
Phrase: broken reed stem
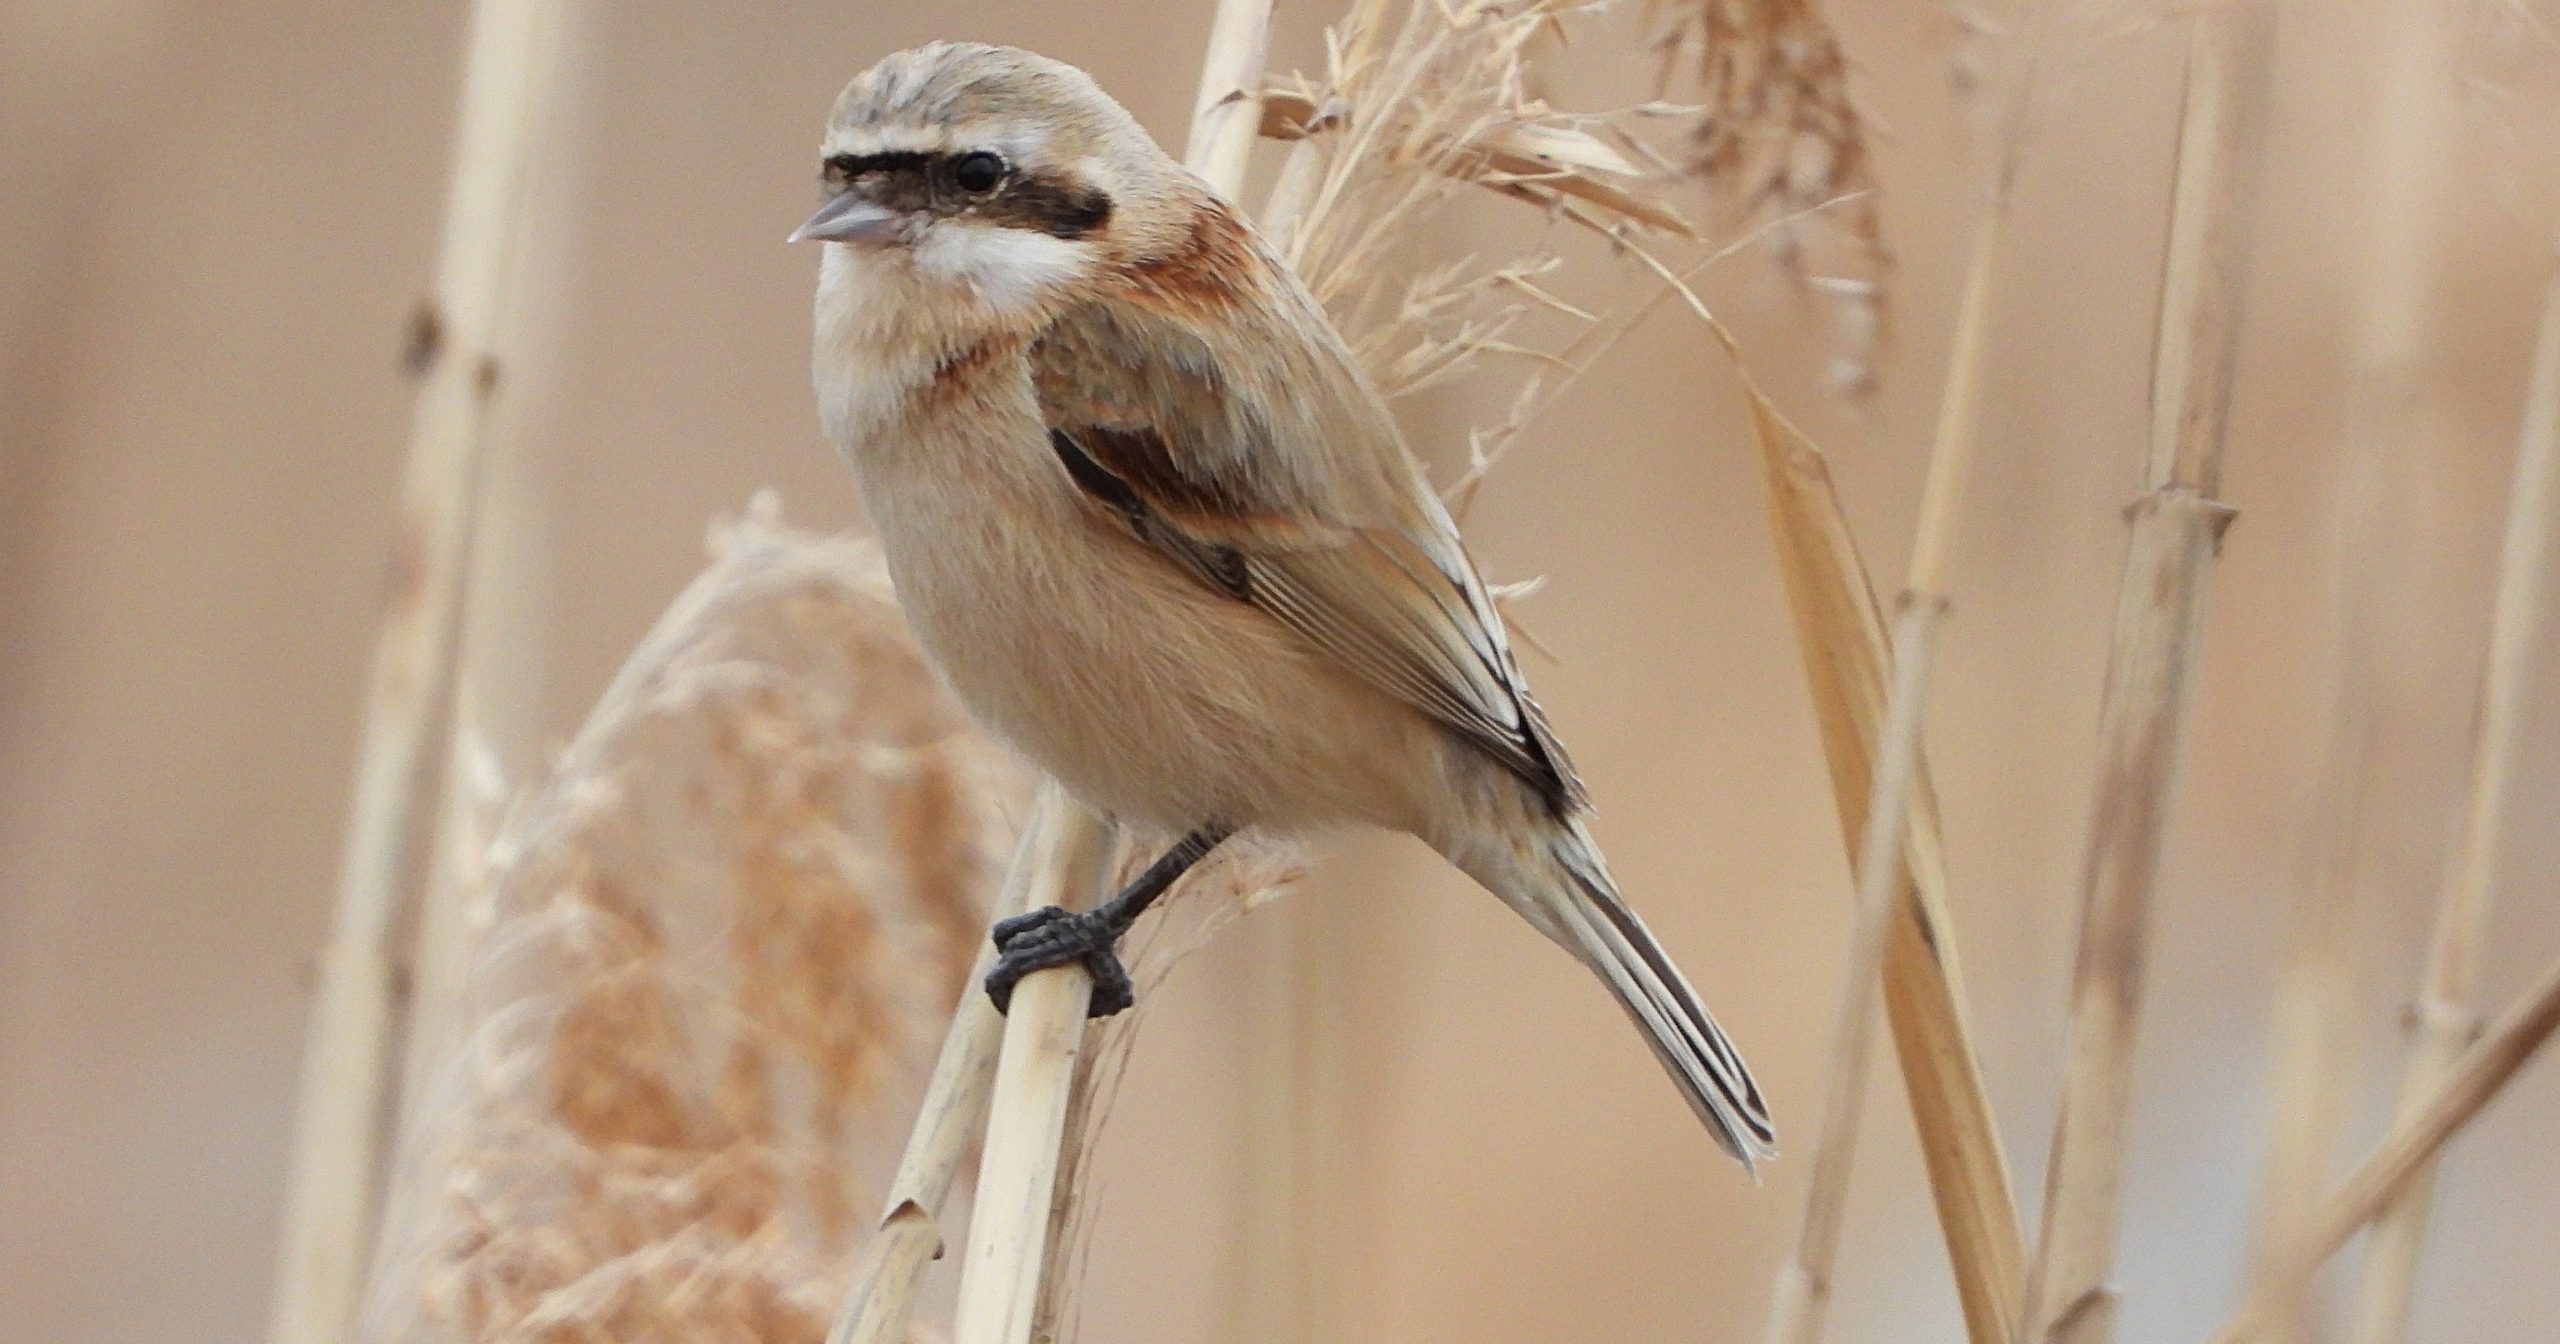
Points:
[[880, 1300], [330, 1189], [2176, 529], [1045, 1027], [1989, 1254], [2443, 1018], [2405, 1154]]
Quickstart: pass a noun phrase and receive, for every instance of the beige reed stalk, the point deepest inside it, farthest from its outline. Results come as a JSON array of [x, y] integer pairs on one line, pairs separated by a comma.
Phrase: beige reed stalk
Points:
[[1045, 1026], [2405, 1154], [2408, 177], [2176, 528], [328, 1216], [1044, 1031], [1988, 1250], [2444, 1018], [879, 1301]]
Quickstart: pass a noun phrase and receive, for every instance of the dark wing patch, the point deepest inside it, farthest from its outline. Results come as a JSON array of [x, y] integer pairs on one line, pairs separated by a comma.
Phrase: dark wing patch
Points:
[[1221, 567], [1303, 589]]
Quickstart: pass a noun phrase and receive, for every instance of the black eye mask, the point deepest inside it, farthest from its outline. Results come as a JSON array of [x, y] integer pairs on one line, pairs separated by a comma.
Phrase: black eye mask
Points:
[[1047, 202]]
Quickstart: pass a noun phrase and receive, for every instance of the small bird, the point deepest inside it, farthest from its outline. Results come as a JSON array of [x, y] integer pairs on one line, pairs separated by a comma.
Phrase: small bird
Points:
[[1161, 535]]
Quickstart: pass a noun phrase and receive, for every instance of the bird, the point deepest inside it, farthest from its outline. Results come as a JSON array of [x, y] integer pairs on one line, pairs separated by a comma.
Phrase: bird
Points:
[[1159, 534]]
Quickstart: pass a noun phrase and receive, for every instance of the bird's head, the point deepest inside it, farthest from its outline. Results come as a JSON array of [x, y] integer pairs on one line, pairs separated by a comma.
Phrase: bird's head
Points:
[[987, 180]]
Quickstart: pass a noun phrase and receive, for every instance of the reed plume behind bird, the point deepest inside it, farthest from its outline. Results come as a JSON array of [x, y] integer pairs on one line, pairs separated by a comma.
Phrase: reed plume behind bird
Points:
[[1160, 533]]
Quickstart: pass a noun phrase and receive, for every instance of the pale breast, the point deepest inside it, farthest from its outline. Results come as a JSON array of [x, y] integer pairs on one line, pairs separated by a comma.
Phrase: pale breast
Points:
[[1145, 692]]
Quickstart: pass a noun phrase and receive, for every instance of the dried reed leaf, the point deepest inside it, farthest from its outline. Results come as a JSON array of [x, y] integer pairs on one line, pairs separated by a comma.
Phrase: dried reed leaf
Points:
[[717, 943], [1542, 162], [1840, 628]]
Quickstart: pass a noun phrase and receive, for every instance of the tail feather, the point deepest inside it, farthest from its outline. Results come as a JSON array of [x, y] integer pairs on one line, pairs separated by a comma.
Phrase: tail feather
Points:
[[1567, 893]]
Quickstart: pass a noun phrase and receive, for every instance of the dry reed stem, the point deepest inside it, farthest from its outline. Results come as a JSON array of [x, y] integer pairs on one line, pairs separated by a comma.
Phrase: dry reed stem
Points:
[[1002, 1280], [2443, 1018], [1981, 1224], [451, 906], [2405, 1154], [2409, 171], [1801, 1296], [1840, 627], [712, 939], [880, 1297], [2314, 1035], [1027, 1108], [456, 346], [2411, 164], [2176, 529], [1241, 878]]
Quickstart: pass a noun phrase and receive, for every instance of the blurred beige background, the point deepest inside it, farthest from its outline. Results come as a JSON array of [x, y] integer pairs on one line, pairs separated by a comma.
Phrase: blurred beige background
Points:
[[218, 216]]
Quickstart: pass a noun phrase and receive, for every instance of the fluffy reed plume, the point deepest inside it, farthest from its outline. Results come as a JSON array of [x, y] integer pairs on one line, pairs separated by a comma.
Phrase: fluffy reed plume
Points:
[[1421, 104], [713, 950], [1779, 135]]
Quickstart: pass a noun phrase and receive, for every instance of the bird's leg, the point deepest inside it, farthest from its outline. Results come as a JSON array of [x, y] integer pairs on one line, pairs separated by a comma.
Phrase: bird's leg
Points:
[[1052, 936]]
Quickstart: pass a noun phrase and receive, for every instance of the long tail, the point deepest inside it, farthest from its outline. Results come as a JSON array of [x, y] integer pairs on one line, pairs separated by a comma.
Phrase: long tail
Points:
[[1563, 888]]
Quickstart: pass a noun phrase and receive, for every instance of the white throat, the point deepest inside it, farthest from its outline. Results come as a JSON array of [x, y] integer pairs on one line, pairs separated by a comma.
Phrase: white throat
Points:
[[888, 316]]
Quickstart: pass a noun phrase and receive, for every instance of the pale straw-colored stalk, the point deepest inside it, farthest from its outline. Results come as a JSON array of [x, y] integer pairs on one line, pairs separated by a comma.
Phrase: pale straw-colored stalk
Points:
[[1989, 1250], [2176, 528], [880, 1297], [508, 72], [1847, 654], [2408, 173], [2405, 1154], [1000, 1287], [1044, 1031], [2444, 1018]]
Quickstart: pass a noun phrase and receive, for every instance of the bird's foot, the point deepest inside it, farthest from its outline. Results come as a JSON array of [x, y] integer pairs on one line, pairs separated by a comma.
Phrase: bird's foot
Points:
[[1052, 936]]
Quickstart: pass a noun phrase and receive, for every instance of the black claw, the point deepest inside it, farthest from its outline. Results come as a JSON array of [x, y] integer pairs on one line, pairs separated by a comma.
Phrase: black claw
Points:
[[1054, 937]]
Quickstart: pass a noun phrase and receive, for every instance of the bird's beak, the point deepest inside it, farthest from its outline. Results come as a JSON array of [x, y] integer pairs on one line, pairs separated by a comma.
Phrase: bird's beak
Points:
[[849, 218]]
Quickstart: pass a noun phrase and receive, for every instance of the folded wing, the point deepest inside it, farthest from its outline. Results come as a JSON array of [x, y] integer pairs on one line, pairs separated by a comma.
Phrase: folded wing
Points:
[[1169, 405]]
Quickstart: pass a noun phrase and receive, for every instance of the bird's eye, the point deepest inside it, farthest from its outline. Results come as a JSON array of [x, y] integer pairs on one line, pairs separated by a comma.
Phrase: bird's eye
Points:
[[978, 171]]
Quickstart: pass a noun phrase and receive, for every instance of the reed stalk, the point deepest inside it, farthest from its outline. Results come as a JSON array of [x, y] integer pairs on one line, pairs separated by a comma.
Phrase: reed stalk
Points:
[[457, 346], [879, 1302], [1842, 630], [2409, 169], [2443, 1019], [2405, 1154], [1977, 1211], [2176, 529], [1044, 1031]]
